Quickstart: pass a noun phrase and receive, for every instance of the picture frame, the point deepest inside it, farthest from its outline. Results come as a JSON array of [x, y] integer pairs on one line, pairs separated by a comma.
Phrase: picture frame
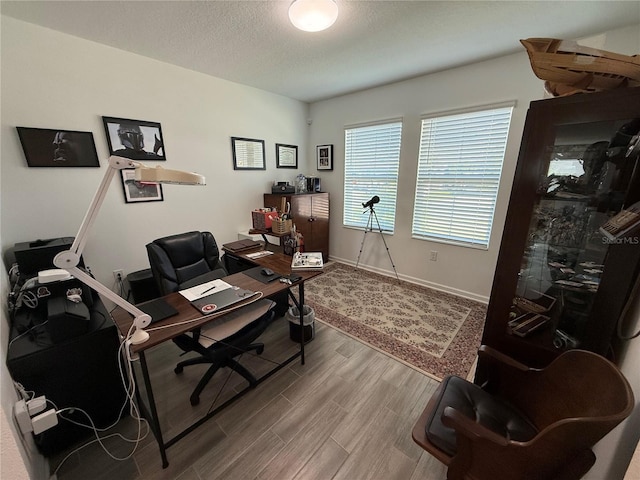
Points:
[[139, 140], [248, 153], [286, 156], [45, 147], [324, 156], [137, 192]]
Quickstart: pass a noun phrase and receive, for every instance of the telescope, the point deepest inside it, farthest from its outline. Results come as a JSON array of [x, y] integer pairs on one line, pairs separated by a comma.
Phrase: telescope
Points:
[[375, 199]]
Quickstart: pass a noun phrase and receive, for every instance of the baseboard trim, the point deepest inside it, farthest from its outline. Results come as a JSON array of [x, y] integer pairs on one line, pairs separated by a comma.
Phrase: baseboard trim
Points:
[[436, 286]]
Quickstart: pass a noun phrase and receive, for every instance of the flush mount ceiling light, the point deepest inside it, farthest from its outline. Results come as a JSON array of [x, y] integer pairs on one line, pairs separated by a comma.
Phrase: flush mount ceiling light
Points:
[[313, 15]]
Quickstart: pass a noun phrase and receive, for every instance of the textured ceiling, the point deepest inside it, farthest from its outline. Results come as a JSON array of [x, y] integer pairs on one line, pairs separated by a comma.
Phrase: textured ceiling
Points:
[[371, 44]]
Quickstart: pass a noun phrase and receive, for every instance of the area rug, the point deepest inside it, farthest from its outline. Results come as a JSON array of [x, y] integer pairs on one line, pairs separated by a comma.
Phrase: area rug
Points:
[[432, 331]]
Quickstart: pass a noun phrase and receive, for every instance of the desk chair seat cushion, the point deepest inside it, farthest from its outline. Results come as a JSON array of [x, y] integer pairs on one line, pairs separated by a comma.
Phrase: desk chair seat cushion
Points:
[[476, 404]]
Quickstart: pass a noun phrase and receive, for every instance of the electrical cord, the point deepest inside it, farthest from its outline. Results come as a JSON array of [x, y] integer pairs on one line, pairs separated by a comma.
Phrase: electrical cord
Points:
[[25, 394], [27, 332], [128, 383], [258, 296]]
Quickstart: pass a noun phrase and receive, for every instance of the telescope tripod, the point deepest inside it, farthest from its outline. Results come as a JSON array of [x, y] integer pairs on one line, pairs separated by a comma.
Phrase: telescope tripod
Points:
[[369, 228]]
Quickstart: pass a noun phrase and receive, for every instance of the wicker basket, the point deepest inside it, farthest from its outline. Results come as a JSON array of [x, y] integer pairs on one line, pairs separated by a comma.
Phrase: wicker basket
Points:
[[280, 226]]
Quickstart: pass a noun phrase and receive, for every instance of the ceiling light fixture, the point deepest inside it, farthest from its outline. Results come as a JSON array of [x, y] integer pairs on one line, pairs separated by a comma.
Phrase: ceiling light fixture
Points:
[[313, 15]]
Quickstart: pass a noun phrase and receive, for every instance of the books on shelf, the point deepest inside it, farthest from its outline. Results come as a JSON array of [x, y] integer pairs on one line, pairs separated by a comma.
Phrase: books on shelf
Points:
[[307, 261]]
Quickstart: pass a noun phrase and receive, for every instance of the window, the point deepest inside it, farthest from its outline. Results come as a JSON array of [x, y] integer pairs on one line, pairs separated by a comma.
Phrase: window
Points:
[[372, 157], [459, 167]]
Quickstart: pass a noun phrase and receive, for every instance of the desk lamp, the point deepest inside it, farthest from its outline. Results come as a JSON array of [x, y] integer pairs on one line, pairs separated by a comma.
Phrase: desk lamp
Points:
[[69, 259]]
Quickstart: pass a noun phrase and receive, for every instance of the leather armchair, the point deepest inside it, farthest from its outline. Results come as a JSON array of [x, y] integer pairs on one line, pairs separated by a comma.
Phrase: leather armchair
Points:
[[189, 259], [525, 423]]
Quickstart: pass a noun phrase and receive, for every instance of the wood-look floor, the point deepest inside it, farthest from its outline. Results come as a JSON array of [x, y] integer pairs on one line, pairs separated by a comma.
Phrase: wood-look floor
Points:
[[346, 414]]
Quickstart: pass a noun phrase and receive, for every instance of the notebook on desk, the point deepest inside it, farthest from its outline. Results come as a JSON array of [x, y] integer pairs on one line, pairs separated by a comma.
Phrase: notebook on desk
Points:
[[222, 299]]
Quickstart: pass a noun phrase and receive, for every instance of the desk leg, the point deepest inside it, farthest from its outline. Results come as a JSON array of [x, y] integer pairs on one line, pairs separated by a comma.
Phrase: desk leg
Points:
[[301, 310], [299, 302], [155, 423]]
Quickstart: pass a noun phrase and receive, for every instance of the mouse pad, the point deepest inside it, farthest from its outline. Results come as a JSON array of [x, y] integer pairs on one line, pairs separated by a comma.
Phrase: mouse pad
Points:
[[158, 309], [256, 273]]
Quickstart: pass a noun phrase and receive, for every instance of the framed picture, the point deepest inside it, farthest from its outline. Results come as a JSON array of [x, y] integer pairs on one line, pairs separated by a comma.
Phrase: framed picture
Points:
[[286, 156], [136, 192], [58, 148], [134, 139], [324, 154], [248, 154]]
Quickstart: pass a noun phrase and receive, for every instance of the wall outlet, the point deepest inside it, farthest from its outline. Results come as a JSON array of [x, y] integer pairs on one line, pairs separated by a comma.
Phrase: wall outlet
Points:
[[434, 256], [118, 275]]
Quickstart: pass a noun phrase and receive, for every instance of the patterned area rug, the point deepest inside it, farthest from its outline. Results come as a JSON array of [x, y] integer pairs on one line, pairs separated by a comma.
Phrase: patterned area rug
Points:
[[431, 331]]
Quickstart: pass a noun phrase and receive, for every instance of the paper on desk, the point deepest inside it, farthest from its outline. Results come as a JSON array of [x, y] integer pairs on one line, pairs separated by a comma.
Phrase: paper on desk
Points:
[[259, 254], [204, 289]]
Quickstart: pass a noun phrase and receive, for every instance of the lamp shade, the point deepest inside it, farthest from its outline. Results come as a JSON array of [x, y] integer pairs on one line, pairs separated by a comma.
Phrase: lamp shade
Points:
[[164, 175], [313, 15]]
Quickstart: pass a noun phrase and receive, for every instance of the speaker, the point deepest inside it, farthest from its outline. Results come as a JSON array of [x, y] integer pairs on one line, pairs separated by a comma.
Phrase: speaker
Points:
[[143, 286]]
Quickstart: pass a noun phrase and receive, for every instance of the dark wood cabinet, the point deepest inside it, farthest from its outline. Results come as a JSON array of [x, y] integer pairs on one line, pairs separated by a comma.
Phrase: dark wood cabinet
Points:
[[556, 267], [310, 213]]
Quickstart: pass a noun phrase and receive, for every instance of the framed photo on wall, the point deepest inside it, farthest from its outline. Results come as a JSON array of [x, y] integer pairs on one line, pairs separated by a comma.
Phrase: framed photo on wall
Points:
[[248, 154], [286, 156], [136, 192], [45, 147], [324, 154], [135, 139]]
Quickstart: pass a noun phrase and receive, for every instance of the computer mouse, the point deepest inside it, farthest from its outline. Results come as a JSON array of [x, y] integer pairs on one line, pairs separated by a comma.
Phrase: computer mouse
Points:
[[267, 272]]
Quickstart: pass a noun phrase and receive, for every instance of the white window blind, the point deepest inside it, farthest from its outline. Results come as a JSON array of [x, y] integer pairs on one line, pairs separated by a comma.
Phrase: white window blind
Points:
[[372, 157], [459, 168]]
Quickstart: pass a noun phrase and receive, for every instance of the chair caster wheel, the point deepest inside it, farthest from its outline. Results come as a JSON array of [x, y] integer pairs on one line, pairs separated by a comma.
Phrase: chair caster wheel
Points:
[[194, 401], [178, 369], [259, 350]]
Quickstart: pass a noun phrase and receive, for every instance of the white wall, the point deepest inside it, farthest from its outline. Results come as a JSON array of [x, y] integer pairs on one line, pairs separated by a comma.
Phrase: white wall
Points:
[[466, 271], [52, 80], [459, 270]]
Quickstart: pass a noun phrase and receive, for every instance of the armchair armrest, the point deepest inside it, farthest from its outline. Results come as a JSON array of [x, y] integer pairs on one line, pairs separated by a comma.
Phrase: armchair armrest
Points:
[[503, 374], [469, 428], [494, 355]]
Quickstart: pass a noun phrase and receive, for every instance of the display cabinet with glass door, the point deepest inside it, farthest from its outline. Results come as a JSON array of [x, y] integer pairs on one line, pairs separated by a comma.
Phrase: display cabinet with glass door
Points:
[[569, 258]]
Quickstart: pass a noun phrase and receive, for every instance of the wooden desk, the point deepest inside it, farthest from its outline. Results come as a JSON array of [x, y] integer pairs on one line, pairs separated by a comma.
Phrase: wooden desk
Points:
[[176, 326]]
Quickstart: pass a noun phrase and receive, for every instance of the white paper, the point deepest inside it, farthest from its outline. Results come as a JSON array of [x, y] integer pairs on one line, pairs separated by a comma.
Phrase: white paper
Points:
[[259, 254], [205, 289]]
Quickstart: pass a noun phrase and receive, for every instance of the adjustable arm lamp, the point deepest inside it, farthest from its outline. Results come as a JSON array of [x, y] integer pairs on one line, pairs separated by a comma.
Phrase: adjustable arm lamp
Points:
[[69, 259]]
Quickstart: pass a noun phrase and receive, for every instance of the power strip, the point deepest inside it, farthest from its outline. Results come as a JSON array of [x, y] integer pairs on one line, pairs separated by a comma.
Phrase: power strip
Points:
[[24, 412]]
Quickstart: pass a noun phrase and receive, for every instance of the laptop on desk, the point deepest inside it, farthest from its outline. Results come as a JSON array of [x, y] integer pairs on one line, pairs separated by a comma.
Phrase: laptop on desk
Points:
[[222, 299]]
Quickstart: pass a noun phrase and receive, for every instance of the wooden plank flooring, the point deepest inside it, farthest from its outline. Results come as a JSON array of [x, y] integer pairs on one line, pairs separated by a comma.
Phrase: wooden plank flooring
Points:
[[346, 414]]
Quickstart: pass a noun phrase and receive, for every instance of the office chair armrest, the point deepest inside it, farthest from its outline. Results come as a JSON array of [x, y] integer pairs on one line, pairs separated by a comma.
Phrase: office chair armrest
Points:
[[469, 428]]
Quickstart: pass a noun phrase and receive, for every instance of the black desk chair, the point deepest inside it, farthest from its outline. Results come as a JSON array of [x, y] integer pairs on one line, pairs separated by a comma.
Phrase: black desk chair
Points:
[[188, 259]]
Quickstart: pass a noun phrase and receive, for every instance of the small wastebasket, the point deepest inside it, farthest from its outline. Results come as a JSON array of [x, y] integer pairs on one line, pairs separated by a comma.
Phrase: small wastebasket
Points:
[[308, 323]]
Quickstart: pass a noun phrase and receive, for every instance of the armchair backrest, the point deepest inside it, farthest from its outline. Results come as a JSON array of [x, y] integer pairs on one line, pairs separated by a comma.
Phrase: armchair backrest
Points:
[[578, 385], [573, 402], [178, 259]]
